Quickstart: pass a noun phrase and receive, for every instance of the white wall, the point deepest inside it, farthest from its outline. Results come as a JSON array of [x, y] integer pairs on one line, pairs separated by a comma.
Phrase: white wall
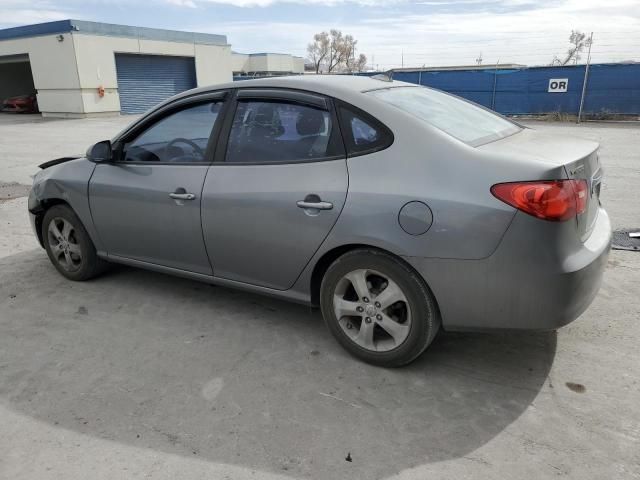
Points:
[[270, 62], [257, 63], [67, 74], [240, 62], [96, 64], [298, 64], [97, 67], [53, 65], [279, 63], [213, 64]]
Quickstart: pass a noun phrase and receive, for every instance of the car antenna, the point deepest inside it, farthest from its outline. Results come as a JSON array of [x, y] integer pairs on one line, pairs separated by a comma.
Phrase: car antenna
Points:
[[385, 76]]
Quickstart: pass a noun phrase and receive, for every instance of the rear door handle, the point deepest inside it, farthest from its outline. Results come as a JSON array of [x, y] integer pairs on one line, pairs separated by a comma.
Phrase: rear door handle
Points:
[[182, 196], [315, 205]]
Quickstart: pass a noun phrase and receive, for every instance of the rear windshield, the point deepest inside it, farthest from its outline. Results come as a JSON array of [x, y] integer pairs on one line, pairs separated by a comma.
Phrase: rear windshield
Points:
[[459, 118]]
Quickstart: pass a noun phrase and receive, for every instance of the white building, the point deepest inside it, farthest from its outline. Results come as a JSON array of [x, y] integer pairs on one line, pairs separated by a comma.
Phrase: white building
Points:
[[79, 68], [266, 64]]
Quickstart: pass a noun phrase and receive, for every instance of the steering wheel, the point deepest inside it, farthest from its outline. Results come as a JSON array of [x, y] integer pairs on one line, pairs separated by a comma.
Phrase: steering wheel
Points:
[[191, 143]]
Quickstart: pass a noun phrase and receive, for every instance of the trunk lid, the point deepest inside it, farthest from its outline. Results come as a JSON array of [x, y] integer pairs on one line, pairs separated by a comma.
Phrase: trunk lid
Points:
[[578, 157], [587, 168]]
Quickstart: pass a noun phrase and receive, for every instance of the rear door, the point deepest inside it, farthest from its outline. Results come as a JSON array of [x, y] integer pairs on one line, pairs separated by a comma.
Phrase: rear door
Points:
[[146, 205], [276, 188]]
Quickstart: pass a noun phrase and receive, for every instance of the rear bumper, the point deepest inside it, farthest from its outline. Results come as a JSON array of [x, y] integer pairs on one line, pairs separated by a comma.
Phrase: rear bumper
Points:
[[527, 284]]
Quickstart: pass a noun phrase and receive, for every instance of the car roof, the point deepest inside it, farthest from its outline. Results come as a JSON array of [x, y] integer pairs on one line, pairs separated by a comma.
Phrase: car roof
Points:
[[339, 86], [343, 87]]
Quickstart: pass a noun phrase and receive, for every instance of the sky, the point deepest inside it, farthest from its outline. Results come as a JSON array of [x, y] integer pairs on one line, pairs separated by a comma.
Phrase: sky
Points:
[[392, 33]]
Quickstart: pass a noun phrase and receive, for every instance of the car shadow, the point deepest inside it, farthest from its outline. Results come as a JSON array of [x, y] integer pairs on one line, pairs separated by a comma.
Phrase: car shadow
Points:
[[182, 367]]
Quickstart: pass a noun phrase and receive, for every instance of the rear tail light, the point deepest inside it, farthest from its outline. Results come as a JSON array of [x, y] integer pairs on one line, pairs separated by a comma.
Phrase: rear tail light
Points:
[[554, 200]]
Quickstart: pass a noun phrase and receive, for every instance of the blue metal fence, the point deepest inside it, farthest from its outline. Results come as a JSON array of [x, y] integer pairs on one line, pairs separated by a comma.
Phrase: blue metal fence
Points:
[[612, 88]]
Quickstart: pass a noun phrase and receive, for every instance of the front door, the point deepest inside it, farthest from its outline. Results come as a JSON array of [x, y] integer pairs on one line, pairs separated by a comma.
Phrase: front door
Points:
[[271, 200], [146, 206]]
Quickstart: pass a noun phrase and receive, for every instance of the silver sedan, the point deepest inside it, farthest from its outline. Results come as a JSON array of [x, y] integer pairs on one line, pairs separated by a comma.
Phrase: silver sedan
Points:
[[396, 209]]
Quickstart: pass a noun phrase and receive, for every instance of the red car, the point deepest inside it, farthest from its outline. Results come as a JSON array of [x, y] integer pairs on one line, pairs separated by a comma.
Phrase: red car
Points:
[[21, 104]]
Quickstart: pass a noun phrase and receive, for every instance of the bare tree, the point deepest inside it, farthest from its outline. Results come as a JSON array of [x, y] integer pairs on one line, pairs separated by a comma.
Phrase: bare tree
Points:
[[349, 47], [335, 52], [579, 41], [361, 63], [319, 49], [353, 63]]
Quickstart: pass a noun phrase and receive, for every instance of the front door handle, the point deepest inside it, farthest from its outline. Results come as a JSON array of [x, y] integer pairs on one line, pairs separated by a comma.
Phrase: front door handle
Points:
[[181, 194], [315, 205]]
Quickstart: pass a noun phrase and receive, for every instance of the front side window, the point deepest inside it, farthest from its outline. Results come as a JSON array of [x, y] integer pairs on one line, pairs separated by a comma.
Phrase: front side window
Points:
[[460, 119], [180, 137], [279, 131]]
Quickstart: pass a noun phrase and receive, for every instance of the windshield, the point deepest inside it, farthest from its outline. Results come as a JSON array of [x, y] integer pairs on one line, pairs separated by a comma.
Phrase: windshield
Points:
[[459, 118]]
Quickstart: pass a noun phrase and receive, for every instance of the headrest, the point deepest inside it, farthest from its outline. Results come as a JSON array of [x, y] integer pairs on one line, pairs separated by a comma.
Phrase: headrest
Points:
[[267, 120], [310, 122]]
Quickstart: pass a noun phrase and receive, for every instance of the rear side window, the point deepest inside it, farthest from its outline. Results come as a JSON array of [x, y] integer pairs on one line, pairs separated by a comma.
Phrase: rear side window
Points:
[[280, 131], [363, 133], [457, 117]]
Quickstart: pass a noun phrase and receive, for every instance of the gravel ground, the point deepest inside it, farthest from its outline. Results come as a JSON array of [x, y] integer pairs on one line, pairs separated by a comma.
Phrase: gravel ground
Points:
[[141, 375]]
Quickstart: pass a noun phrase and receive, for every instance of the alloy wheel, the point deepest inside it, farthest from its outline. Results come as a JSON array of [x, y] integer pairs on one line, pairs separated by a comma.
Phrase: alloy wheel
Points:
[[63, 243], [372, 310]]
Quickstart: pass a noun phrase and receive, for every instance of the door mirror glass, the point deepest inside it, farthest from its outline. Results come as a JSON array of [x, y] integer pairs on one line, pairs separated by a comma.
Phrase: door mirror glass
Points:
[[100, 152]]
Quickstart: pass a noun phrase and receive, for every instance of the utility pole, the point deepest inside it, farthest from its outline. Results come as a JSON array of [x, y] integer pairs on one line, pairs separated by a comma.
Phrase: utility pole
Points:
[[586, 76], [402, 57]]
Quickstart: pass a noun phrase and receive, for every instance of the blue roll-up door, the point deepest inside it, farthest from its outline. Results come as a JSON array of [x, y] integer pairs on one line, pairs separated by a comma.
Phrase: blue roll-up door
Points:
[[146, 80]]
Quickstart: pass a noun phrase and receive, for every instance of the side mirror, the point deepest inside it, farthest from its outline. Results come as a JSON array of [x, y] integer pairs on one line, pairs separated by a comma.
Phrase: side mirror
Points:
[[100, 152]]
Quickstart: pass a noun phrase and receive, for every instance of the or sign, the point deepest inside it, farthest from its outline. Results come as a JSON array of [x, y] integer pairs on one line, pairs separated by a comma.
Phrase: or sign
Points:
[[558, 85]]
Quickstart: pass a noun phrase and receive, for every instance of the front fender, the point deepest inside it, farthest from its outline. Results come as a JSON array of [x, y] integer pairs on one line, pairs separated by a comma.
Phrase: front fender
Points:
[[68, 183]]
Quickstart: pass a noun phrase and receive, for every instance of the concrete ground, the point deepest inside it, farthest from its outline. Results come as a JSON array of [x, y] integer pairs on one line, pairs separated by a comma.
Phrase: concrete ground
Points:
[[141, 375]]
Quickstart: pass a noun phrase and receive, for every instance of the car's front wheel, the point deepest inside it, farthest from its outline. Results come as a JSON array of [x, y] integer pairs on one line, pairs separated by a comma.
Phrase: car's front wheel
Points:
[[378, 308], [68, 244]]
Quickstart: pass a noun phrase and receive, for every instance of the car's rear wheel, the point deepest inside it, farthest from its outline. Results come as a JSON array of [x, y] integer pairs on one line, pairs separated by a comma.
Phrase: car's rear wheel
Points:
[[378, 308], [68, 244]]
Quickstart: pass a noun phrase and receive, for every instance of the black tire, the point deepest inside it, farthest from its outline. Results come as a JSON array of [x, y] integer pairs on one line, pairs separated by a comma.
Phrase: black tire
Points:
[[425, 317], [84, 265]]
